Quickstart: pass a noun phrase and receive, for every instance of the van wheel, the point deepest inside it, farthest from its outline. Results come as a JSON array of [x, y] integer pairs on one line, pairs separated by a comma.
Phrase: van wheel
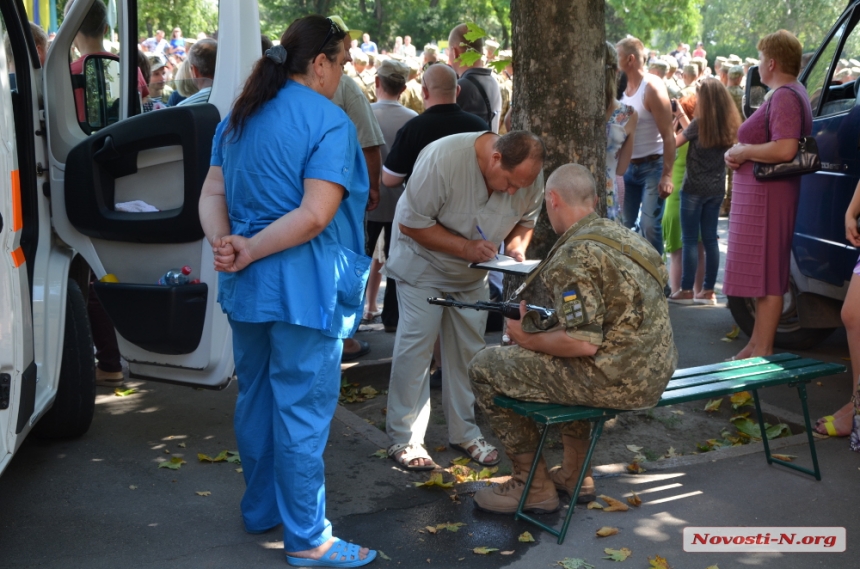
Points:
[[72, 412], [789, 334]]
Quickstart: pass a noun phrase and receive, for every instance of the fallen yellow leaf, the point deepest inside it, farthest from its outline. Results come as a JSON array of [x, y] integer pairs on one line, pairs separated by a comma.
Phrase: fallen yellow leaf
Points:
[[606, 531], [204, 493], [173, 464], [511, 552], [181, 445], [440, 448], [741, 399], [658, 563], [484, 550], [526, 537], [430, 529], [614, 505], [785, 457], [734, 333], [634, 500], [460, 460], [617, 554], [120, 392], [635, 468], [595, 506], [435, 480], [713, 405], [381, 453]]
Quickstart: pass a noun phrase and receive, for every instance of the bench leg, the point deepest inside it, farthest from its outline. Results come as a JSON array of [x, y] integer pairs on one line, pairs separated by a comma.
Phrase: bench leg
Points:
[[596, 431], [801, 391]]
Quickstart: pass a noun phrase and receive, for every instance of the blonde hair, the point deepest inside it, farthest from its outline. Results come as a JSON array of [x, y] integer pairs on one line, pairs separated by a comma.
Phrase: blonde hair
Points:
[[610, 76], [784, 48], [717, 115], [183, 81], [632, 46]]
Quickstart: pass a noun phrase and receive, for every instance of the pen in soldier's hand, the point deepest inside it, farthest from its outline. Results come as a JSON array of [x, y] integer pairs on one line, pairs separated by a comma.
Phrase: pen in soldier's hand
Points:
[[484, 237]]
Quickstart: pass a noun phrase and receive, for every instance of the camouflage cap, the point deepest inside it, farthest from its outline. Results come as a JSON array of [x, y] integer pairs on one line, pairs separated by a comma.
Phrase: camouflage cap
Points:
[[751, 61], [659, 64], [360, 57], [736, 71], [393, 69]]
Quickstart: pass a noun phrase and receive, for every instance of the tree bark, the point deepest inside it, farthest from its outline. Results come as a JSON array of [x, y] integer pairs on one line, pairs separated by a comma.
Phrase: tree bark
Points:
[[559, 62]]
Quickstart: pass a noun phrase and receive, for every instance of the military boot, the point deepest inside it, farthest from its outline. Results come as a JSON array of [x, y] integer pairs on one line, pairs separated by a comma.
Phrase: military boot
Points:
[[504, 498], [566, 475]]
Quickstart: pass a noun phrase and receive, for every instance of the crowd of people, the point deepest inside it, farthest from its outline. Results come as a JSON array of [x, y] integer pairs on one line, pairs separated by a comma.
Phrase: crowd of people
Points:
[[403, 164]]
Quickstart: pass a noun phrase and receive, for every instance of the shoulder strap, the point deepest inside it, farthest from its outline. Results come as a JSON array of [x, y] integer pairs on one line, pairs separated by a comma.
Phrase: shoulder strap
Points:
[[625, 250], [490, 112], [802, 113]]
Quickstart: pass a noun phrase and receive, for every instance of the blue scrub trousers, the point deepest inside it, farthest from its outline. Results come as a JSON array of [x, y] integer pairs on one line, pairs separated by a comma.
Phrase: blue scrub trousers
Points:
[[289, 380]]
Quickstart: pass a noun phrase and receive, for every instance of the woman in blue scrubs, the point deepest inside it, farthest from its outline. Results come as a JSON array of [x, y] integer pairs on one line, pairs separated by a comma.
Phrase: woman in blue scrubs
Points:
[[283, 206]]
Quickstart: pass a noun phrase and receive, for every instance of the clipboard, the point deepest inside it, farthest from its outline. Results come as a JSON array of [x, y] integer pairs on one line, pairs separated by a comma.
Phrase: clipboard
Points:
[[509, 265]]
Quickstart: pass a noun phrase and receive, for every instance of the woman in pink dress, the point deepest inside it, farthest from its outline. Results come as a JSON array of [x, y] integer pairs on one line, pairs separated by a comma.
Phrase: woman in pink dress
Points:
[[763, 212]]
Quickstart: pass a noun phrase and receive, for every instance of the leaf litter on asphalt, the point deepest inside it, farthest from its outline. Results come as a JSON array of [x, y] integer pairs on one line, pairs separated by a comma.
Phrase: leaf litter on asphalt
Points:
[[434, 480], [484, 550], [174, 463], [614, 505], [606, 531], [526, 537], [617, 554], [574, 563]]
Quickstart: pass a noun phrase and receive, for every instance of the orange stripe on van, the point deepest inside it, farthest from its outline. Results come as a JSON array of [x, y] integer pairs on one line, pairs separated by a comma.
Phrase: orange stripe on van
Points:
[[18, 257], [17, 216]]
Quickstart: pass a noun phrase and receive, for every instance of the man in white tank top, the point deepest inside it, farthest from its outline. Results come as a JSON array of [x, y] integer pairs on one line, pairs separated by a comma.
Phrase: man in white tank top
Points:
[[648, 180]]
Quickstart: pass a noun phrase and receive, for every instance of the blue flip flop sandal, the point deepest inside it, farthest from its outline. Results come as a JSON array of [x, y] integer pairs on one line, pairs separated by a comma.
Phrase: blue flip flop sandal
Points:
[[345, 555]]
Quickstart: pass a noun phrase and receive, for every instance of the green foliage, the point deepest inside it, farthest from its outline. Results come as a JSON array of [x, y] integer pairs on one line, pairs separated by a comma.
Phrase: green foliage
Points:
[[660, 25], [192, 16], [427, 21], [739, 24]]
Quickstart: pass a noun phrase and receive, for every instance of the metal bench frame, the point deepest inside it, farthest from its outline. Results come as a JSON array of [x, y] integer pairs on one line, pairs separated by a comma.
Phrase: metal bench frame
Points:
[[691, 384]]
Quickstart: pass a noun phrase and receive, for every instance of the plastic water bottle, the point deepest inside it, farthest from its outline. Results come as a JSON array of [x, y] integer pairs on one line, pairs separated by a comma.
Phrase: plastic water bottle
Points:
[[175, 276]]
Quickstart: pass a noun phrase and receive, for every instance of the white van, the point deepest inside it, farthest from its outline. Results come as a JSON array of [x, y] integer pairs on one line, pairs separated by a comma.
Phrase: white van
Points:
[[60, 179]]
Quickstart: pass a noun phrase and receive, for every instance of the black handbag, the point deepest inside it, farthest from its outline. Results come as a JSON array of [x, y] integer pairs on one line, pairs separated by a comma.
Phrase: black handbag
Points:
[[806, 161]]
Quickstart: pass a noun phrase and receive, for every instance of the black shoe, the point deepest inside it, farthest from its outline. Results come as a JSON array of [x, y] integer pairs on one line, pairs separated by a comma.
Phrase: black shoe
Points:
[[390, 328], [363, 350]]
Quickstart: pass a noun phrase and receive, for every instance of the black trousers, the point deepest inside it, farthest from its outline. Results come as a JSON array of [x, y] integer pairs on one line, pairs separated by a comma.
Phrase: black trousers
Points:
[[390, 309]]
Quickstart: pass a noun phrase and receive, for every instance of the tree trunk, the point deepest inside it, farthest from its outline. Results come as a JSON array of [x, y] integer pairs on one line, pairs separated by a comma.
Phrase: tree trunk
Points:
[[559, 62]]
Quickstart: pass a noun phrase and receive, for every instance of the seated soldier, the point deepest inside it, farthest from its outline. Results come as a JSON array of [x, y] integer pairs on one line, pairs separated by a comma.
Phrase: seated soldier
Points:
[[609, 343]]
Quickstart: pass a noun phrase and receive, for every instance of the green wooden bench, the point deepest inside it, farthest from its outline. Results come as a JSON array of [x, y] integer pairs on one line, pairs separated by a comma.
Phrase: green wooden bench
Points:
[[689, 384]]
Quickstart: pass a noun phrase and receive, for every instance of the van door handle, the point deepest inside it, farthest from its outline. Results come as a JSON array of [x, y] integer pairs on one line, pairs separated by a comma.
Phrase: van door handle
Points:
[[107, 152]]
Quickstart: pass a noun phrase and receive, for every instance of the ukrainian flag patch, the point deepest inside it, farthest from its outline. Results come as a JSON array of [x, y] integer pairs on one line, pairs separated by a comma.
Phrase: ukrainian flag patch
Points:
[[569, 296]]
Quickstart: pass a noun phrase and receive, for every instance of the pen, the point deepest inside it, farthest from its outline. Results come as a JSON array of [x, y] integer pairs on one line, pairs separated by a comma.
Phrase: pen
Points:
[[484, 237]]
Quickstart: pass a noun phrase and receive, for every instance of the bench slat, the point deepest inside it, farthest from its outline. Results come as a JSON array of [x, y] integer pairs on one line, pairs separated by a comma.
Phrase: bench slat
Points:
[[738, 373], [735, 385], [735, 364]]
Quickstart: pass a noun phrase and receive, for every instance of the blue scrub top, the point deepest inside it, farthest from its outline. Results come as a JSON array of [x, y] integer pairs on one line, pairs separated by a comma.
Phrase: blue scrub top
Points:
[[320, 284]]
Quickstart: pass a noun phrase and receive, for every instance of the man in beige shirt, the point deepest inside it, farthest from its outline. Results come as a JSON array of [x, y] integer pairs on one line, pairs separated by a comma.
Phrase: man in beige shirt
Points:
[[460, 183]]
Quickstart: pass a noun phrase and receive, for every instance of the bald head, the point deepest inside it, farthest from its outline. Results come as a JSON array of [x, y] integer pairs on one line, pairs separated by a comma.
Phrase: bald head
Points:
[[440, 84], [574, 184], [457, 36]]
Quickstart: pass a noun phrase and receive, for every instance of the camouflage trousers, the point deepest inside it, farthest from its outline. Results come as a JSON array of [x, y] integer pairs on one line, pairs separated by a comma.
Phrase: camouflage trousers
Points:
[[531, 376]]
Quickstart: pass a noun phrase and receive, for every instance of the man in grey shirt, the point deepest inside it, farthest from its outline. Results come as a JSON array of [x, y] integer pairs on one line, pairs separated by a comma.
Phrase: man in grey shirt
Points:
[[391, 115], [468, 193], [479, 90]]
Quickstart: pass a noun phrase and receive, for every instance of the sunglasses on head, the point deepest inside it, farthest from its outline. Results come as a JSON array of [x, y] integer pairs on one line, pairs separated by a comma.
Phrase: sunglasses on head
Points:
[[332, 31]]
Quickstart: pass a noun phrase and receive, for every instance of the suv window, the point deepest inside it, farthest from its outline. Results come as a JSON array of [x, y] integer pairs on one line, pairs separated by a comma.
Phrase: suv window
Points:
[[832, 82]]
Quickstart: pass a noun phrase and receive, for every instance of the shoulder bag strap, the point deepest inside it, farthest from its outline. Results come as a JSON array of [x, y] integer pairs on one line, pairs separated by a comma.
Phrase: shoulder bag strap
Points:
[[490, 112], [624, 250]]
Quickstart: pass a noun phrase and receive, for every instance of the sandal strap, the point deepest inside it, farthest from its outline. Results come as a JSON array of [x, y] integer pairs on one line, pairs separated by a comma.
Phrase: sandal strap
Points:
[[482, 451], [343, 549], [410, 452]]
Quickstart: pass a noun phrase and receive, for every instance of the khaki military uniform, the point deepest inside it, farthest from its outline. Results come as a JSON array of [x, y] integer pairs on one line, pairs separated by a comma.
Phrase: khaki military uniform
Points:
[[506, 87], [411, 97], [737, 94], [367, 81], [603, 297]]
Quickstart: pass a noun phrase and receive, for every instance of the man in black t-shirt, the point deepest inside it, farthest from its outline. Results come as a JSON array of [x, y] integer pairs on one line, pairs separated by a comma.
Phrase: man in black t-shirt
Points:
[[442, 117], [479, 90]]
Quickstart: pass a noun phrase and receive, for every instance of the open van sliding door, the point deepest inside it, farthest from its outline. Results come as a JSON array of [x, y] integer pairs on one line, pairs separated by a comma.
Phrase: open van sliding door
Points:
[[167, 333]]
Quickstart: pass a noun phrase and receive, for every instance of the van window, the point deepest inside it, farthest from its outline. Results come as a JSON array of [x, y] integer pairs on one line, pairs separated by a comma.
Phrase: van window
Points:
[[819, 81]]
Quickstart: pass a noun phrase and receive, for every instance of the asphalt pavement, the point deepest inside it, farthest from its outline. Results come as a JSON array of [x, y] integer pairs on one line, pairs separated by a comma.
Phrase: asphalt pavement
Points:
[[101, 501]]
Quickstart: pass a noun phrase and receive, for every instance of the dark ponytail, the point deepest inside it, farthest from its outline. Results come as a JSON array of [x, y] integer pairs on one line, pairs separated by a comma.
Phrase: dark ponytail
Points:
[[302, 42]]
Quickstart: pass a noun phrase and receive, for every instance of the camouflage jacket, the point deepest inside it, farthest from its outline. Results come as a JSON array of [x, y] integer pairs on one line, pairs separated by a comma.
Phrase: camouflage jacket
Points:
[[604, 297]]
